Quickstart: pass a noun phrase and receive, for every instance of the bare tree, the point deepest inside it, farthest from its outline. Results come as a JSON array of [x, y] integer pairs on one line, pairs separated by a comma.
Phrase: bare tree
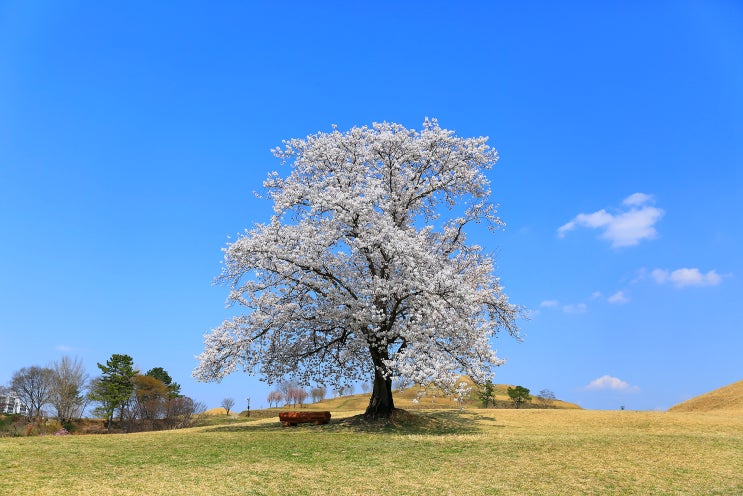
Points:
[[182, 411], [318, 394], [33, 385], [545, 398], [227, 404], [69, 381]]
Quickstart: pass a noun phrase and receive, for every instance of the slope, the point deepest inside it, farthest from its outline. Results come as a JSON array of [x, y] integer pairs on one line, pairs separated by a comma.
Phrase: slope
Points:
[[726, 398], [416, 397]]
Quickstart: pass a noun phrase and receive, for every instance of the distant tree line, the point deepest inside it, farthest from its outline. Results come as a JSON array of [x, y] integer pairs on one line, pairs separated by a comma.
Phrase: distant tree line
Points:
[[123, 397], [289, 393], [519, 397]]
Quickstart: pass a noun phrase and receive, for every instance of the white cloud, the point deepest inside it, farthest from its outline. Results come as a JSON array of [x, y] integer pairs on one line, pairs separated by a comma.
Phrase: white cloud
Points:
[[594, 221], [611, 383], [572, 308], [578, 308], [625, 228], [629, 228], [685, 277], [618, 298], [640, 275], [637, 199]]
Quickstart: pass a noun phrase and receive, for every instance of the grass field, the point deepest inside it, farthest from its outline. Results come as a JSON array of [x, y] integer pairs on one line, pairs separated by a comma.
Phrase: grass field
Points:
[[475, 452], [727, 398]]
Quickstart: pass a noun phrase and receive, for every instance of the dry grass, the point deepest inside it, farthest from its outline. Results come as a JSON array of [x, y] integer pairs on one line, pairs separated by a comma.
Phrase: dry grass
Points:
[[432, 399], [729, 398], [219, 411], [474, 452]]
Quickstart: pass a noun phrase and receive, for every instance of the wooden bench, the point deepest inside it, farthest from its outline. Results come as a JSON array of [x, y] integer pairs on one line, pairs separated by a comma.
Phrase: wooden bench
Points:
[[293, 418]]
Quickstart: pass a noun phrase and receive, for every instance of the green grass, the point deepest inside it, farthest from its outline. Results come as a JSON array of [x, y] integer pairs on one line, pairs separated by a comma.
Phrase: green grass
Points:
[[476, 452]]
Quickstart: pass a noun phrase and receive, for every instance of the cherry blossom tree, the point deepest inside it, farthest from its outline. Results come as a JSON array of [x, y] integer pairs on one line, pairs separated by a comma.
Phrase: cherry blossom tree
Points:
[[274, 397], [363, 271], [296, 396]]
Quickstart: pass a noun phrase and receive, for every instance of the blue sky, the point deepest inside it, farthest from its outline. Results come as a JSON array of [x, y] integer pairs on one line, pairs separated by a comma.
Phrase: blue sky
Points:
[[132, 136]]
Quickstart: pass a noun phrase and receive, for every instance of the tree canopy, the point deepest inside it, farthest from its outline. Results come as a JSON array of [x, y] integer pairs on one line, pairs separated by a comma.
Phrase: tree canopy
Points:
[[363, 271], [33, 385], [159, 373], [69, 381], [519, 395], [115, 386]]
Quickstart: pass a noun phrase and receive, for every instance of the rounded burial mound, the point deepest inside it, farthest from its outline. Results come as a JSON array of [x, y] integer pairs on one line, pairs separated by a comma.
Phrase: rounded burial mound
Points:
[[217, 411], [723, 399]]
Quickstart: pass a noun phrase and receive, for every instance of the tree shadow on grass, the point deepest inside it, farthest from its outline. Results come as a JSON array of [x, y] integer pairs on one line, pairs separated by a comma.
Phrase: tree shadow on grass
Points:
[[440, 422]]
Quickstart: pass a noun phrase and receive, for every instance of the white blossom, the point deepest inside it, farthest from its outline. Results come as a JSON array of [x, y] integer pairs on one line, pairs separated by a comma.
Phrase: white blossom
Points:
[[364, 265]]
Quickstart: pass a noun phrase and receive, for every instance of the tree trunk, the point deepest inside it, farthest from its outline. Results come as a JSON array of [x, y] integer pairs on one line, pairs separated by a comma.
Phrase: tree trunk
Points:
[[380, 404]]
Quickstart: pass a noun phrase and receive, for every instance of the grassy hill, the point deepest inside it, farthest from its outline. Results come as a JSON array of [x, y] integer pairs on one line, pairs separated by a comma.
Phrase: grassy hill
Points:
[[473, 452], [219, 411], [427, 399], [727, 398]]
